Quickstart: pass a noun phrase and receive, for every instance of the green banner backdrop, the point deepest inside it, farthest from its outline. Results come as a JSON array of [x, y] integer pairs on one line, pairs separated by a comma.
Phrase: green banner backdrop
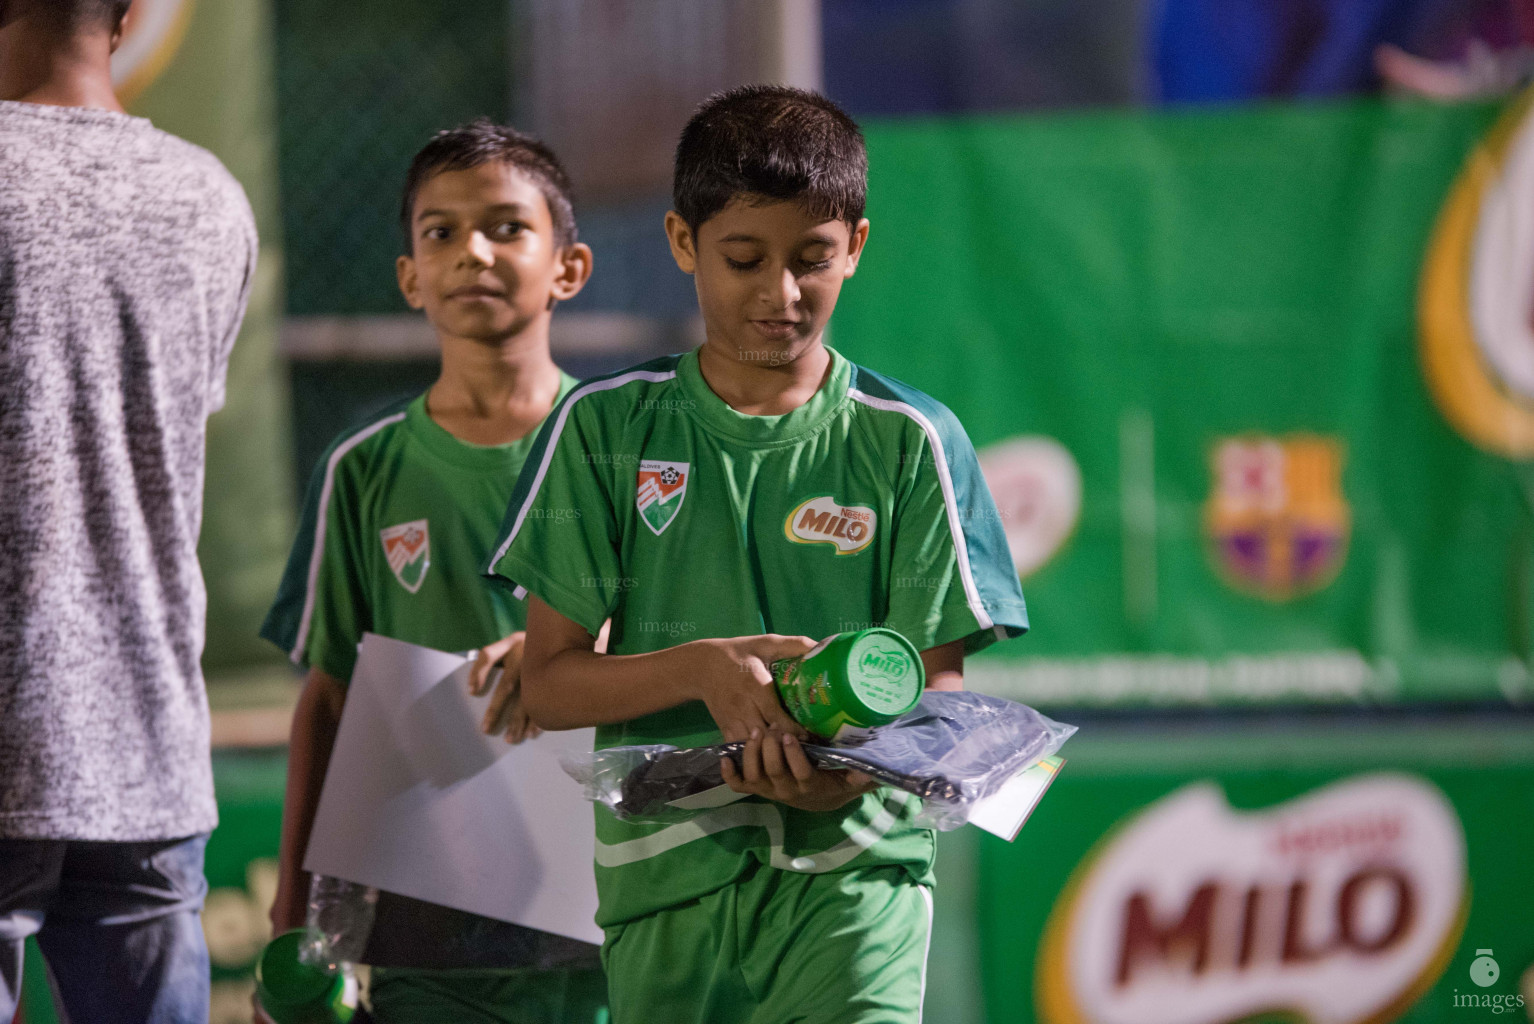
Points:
[[1187, 347]]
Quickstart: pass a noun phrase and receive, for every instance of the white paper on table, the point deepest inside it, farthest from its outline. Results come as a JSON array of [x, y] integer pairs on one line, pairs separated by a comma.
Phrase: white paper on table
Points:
[[419, 802], [1004, 811]]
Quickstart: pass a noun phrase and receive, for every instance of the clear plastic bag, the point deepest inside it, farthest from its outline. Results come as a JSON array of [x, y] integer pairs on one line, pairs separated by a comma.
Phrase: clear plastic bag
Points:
[[952, 750], [338, 923]]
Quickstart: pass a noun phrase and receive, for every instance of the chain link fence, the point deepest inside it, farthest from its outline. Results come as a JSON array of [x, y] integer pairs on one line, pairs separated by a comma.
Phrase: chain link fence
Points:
[[360, 88]]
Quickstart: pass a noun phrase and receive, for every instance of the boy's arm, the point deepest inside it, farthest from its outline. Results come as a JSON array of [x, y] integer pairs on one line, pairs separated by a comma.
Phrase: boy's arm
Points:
[[567, 685], [315, 721], [944, 666]]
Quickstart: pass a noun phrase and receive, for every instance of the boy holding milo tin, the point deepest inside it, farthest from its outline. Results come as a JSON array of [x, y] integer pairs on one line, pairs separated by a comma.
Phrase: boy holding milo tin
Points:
[[757, 494]]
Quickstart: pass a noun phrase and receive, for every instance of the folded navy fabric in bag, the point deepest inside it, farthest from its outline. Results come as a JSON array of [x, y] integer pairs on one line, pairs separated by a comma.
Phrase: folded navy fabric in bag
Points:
[[952, 750]]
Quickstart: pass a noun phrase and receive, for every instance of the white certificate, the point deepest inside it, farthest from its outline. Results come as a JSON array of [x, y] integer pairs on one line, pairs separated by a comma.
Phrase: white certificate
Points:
[[1003, 812], [419, 802]]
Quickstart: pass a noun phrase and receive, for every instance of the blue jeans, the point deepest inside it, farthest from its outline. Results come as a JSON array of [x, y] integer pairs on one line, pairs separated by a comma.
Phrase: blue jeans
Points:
[[117, 922]]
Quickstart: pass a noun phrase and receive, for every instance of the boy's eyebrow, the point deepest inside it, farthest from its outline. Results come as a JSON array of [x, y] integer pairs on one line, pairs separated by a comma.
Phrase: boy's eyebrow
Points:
[[816, 239], [496, 208]]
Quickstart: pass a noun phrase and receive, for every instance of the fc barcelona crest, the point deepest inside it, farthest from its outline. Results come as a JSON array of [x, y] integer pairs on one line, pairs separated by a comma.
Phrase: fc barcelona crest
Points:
[[408, 549], [1276, 516], [662, 488]]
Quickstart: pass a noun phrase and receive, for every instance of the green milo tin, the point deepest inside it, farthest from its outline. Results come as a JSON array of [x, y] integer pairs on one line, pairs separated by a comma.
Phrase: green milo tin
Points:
[[851, 682]]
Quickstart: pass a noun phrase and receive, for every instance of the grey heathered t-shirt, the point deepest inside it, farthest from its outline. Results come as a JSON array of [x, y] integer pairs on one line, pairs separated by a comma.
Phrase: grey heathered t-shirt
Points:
[[126, 258]]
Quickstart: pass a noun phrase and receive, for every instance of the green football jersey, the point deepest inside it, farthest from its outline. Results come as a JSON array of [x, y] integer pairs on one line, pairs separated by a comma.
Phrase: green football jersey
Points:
[[399, 520], [649, 500]]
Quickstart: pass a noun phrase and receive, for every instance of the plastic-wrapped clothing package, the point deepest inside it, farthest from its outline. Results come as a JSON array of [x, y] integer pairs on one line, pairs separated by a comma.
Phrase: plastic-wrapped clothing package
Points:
[[954, 749]]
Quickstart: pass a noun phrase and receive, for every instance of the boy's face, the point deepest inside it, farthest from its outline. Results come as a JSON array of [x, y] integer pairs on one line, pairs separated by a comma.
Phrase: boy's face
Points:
[[486, 263], [768, 275]]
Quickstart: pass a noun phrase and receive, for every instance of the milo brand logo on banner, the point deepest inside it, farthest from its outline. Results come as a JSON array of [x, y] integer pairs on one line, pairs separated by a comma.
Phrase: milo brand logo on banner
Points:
[[151, 35], [1476, 335], [1036, 485], [1339, 907]]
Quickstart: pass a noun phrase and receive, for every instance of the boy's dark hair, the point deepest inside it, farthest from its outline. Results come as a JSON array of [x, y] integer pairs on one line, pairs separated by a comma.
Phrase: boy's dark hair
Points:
[[72, 15], [482, 141], [774, 141]]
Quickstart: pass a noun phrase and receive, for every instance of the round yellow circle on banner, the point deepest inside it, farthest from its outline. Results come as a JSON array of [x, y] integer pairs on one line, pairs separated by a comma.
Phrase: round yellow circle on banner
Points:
[[1475, 302], [152, 35]]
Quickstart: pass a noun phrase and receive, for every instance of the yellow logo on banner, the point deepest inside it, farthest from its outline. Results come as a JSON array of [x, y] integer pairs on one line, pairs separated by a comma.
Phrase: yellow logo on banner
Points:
[[1276, 518], [152, 35], [1474, 310]]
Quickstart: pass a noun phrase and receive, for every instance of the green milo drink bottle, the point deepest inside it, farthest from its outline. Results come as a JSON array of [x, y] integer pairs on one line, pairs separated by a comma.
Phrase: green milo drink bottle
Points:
[[851, 682]]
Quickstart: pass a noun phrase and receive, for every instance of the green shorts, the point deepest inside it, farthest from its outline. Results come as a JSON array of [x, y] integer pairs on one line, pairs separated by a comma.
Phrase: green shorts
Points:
[[521, 996], [777, 947]]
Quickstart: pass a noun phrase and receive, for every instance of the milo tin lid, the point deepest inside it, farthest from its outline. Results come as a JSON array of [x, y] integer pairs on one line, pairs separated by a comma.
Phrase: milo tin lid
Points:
[[884, 676]]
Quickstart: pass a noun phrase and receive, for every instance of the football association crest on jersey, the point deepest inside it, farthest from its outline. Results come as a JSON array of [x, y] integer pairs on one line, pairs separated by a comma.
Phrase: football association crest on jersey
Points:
[[662, 488], [408, 549], [1276, 514], [824, 520]]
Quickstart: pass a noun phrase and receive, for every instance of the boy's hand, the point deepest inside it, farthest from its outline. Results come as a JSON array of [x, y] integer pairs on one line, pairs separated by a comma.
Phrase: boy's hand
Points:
[[500, 664], [734, 680], [774, 766]]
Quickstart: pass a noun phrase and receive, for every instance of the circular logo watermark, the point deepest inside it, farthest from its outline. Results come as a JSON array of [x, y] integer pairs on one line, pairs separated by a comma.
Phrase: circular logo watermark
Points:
[[1484, 970]]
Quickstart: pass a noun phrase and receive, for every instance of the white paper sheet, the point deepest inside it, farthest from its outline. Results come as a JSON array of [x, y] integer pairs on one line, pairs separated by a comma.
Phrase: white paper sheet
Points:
[[419, 802], [1004, 811]]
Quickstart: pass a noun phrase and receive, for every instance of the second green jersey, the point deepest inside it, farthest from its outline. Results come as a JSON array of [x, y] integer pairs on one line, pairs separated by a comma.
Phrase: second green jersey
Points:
[[398, 521], [647, 499], [397, 525]]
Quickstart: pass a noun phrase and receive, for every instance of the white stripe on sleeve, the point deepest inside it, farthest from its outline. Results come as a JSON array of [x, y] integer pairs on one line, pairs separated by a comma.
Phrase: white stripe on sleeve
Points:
[[318, 555], [654, 376], [950, 501]]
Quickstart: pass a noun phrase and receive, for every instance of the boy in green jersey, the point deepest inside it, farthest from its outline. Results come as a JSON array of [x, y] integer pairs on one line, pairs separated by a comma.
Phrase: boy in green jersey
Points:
[[726, 508], [403, 512]]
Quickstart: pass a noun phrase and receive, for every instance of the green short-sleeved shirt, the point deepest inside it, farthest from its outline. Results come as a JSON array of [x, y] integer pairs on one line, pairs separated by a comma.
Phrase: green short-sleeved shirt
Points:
[[648, 499], [399, 520]]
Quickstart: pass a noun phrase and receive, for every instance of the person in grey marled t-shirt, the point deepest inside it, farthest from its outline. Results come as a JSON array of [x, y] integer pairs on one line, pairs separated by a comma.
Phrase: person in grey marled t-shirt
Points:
[[126, 259]]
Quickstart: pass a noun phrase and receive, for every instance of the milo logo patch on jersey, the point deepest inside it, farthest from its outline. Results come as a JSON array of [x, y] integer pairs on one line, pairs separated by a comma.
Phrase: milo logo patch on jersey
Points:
[[824, 520], [408, 549], [662, 487]]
